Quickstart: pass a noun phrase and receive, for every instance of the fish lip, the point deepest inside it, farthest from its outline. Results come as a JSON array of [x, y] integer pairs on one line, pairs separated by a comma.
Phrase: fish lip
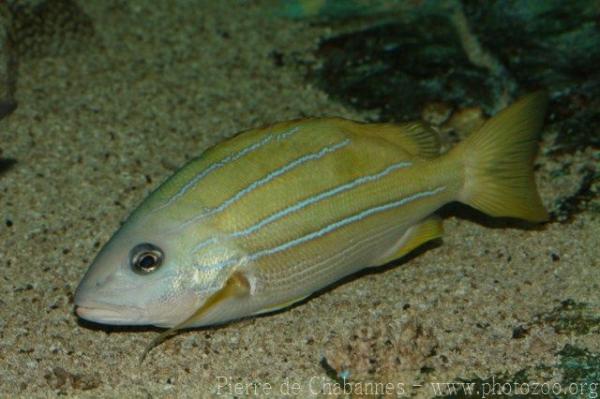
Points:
[[109, 313]]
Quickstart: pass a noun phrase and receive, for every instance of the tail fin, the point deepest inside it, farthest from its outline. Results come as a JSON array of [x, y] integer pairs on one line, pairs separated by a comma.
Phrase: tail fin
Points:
[[498, 161]]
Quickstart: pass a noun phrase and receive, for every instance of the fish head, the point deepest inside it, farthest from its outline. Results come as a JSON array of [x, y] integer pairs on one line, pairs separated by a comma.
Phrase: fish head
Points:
[[147, 274]]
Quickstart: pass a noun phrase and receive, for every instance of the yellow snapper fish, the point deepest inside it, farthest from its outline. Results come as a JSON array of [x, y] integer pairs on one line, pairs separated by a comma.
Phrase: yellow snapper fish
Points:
[[268, 217]]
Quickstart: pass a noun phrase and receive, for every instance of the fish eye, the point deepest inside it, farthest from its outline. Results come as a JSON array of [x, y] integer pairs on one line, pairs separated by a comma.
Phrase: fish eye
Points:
[[145, 258]]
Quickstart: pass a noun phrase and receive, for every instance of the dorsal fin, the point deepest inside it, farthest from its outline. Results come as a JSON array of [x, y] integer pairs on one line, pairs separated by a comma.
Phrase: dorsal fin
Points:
[[418, 139], [415, 138]]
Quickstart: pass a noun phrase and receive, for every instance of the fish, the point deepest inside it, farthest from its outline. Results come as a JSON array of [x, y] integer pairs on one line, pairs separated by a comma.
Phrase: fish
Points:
[[272, 215]]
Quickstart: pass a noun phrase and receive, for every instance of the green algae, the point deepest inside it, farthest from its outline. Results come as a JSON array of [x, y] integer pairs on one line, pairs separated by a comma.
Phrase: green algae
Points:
[[580, 371], [571, 317]]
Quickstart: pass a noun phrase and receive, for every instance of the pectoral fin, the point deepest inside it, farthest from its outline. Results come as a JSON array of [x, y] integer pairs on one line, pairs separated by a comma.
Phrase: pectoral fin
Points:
[[427, 230], [237, 285]]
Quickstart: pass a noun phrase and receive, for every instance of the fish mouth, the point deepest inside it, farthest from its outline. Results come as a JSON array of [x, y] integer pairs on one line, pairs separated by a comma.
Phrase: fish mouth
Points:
[[110, 314]]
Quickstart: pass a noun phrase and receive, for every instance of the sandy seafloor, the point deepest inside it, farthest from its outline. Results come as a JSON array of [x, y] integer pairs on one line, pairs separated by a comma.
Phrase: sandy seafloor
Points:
[[98, 129]]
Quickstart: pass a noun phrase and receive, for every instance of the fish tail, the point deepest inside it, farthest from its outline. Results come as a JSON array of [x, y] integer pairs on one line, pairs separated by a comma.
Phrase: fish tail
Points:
[[498, 162]]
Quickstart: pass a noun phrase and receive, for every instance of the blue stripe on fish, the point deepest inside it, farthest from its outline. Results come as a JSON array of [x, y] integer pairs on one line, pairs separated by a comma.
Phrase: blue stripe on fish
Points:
[[309, 201], [266, 179], [341, 223], [306, 266], [329, 228], [231, 158]]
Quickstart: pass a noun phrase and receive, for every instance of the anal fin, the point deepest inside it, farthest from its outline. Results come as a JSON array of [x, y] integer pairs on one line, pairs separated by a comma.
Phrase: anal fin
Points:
[[417, 235]]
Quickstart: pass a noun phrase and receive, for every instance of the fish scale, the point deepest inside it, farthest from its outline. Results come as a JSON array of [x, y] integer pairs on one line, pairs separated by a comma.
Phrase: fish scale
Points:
[[352, 201]]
